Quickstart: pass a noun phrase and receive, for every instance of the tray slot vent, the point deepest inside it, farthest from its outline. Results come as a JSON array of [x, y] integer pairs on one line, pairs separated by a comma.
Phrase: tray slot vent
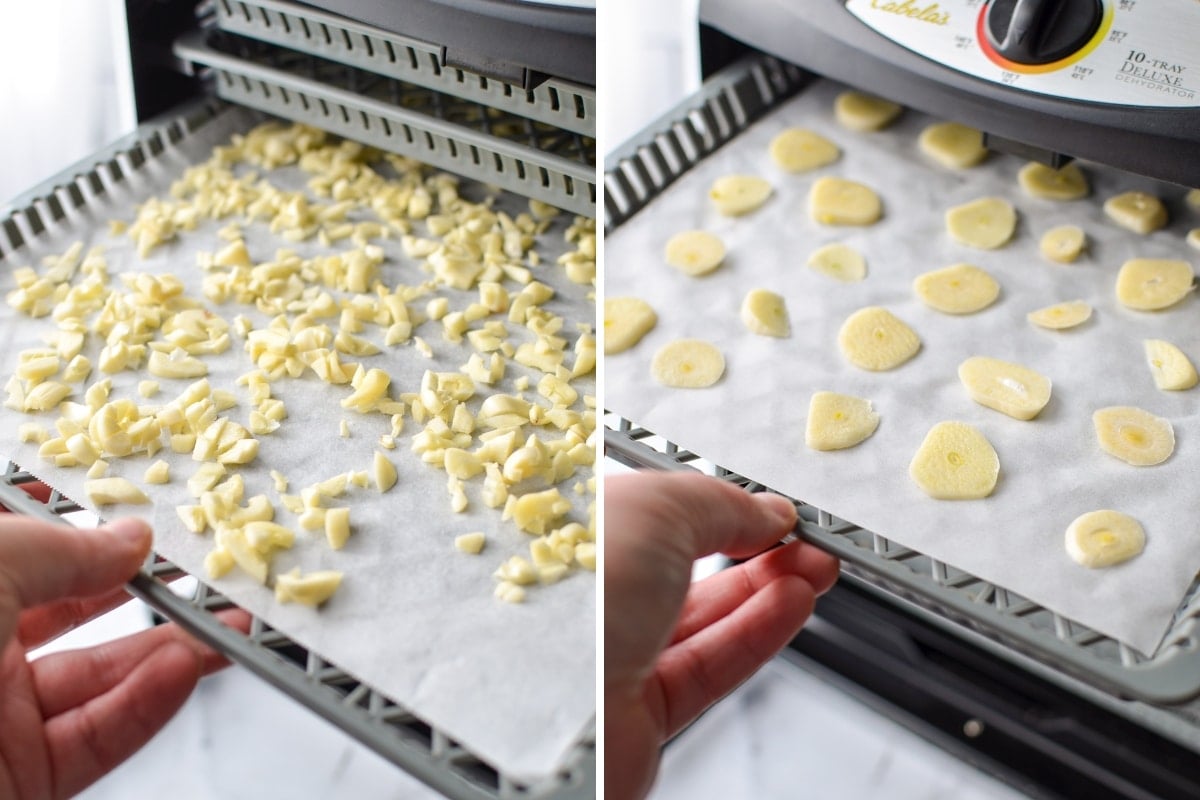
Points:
[[565, 105], [531, 159], [692, 130]]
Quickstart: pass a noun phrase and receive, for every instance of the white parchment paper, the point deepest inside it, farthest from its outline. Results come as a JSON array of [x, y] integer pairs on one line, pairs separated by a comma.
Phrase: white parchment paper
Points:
[[1052, 469], [414, 618]]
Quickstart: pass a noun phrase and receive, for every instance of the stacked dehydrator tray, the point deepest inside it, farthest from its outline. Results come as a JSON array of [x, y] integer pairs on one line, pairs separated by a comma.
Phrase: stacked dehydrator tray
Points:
[[495, 700], [1030, 693]]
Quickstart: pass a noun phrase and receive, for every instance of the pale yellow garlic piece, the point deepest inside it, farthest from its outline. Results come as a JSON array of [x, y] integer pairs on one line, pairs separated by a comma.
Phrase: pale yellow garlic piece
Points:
[[248, 558], [1192, 198], [952, 145], [384, 472], [955, 462], [267, 537], [333, 487], [1151, 284], [77, 369], [46, 396], [98, 469], [112, 491], [539, 512], [218, 562], [1061, 315], [1172, 370], [873, 338], [510, 592], [240, 452], [158, 472], [458, 495], [192, 517], [462, 464], [1048, 183], [839, 261], [233, 254], [183, 442], [585, 555], [1193, 238], [178, 364], [837, 201], [222, 400], [764, 313], [552, 573], [863, 112], [1134, 435], [585, 355], [1104, 538], [1063, 244], [694, 252], [82, 449], [516, 570], [257, 508], [205, 478], [1136, 211], [337, 527], [735, 195], [540, 551], [470, 543], [1008, 388], [369, 392], [37, 369], [312, 519], [986, 223], [837, 421], [312, 589], [626, 321], [353, 345], [462, 420], [958, 289], [293, 503], [802, 150], [32, 432], [687, 364], [147, 388]]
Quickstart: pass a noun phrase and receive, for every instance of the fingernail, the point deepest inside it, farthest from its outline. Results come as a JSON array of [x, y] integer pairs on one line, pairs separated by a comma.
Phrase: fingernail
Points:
[[131, 529], [777, 506]]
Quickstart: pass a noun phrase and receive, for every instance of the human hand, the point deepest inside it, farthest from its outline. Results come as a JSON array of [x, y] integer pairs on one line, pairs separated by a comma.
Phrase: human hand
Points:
[[68, 718], [673, 648]]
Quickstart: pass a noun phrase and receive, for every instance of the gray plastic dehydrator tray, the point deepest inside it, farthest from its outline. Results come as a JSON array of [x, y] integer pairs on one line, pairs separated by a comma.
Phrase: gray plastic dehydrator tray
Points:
[[464, 136], [363, 712], [640, 171], [565, 105]]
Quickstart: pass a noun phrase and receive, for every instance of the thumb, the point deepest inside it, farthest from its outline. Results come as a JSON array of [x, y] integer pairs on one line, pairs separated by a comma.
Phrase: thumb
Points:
[[40, 561], [655, 526], [696, 514]]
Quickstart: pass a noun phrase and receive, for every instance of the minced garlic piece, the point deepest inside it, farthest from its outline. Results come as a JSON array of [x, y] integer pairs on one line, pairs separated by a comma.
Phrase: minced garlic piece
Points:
[[470, 543]]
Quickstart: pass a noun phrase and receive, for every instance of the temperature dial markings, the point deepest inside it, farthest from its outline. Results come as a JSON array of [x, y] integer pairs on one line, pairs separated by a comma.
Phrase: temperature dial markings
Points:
[[1036, 69]]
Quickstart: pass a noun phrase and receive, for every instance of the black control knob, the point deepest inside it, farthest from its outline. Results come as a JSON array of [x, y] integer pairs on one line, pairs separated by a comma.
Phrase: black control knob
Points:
[[1041, 31]]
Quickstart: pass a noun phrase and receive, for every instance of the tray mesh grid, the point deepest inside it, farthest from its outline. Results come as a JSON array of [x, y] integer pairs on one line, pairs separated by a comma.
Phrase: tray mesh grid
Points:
[[565, 105], [516, 153], [357, 708]]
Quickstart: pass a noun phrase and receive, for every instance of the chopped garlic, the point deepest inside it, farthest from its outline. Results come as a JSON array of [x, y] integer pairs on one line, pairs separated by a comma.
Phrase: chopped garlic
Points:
[[470, 543]]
